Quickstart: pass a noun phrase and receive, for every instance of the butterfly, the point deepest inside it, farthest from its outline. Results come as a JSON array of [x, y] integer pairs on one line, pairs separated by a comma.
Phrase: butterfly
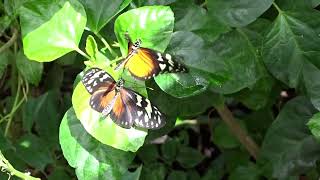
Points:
[[126, 107], [144, 63]]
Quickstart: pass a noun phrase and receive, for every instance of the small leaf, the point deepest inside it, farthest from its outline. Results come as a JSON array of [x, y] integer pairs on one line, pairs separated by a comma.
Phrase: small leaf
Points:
[[155, 171], [238, 13], [189, 157], [31, 70], [99, 12], [51, 29], [314, 125], [91, 159], [132, 175], [91, 46], [148, 153]]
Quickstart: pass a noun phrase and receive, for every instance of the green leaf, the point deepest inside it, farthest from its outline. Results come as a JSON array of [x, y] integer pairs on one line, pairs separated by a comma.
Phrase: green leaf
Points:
[[5, 22], [42, 113], [30, 70], [177, 175], [152, 24], [216, 169], [148, 153], [288, 147], [51, 29], [33, 151], [59, 173], [291, 51], [189, 157], [296, 5], [240, 61], [169, 150], [155, 171], [314, 125], [249, 172], [191, 17], [91, 159], [223, 137], [238, 13], [104, 129], [235, 158], [99, 13], [204, 68], [172, 106]]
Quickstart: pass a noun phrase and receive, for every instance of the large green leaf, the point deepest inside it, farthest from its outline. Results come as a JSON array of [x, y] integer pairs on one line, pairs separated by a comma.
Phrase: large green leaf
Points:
[[152, 24], [288, 147], [204, 67], [192, 17], [30, 70], [42, 113], [189, 157], [291, 51], [240, 61], [92, 159], [238, 13], [33, 151], [99, 13], [51, 29]]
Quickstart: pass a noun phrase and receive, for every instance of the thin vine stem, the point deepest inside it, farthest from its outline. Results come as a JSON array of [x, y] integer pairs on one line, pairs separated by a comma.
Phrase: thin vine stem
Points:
[[11, 171], [106, 44], [10, 42], [81, 52]]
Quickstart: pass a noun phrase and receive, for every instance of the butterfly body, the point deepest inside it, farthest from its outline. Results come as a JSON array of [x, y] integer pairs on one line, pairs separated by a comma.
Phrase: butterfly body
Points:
[[125, 107], [144, 63]]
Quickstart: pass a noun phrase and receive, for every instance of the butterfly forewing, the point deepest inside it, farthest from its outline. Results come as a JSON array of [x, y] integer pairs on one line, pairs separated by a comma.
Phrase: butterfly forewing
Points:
[[142, 112], [96, 78]]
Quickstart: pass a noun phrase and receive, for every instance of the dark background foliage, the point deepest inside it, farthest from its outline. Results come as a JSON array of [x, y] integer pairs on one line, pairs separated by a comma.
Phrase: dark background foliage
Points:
[[248, 109]]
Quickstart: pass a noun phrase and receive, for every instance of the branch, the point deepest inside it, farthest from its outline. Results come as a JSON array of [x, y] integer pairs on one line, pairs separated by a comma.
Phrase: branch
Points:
[[240, 133], [10, 42]]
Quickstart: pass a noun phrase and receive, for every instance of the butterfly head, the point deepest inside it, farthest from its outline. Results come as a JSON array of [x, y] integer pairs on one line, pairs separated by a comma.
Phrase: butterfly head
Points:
[[136, 45]]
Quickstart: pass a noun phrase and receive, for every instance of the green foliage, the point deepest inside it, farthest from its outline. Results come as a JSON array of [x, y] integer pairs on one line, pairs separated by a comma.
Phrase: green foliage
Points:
[[258, 59]]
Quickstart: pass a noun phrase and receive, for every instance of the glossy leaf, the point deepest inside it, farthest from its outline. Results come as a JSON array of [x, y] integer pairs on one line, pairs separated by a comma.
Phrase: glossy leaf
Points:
[[249, 172], [314, 125], [91, 159], [284, 147], [51, 29], [152, 24], [291, 51], [204, 68], [30, 70], [99, 13], [238, 13], [177, 175]]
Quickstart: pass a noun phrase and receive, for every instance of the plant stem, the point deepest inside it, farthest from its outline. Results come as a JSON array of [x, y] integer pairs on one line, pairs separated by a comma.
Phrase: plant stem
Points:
[[6, 166], [236, 129], [82, 53], [10, 42], [277, 7], [104, 41]]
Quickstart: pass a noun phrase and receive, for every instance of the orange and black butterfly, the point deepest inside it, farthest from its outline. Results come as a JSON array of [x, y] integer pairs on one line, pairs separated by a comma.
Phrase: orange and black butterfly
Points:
[[126, 108], [144, 63]]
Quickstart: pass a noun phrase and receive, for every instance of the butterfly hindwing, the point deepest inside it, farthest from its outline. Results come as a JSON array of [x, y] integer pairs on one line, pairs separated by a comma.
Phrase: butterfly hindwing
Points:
[[142, 112], [167, 64], [95, 78]]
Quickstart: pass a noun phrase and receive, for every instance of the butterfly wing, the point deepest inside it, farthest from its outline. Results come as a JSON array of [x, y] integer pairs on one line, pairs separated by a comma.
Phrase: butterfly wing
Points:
[[102, 87], [140, 110], [146, 63], [96, 78]]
